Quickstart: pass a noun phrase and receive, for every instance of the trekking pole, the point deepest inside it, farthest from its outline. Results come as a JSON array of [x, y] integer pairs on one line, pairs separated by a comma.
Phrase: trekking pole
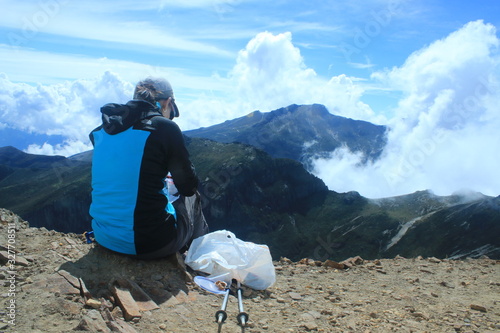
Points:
[[221, 315], [242, 316]]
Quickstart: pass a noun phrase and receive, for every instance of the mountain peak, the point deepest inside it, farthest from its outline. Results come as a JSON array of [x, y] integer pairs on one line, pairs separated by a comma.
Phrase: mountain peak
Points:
[[299, 132]]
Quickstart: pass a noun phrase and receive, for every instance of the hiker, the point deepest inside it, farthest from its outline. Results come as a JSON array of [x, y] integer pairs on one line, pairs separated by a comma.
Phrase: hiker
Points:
[[135, 148]]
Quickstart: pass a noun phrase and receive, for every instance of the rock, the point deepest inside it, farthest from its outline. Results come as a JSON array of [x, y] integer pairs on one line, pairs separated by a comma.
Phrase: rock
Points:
[[309, 262], [434, 260], [93, 303], [285, 260], [93, 322], [295, 296], [127, 303], [354, 261], [75, 282], [314, 314], [116, 324], [143, 301], [70, 241], [478, 308], [333, 264], [56, 283], [310, 326], [83, 288], [18, 260]]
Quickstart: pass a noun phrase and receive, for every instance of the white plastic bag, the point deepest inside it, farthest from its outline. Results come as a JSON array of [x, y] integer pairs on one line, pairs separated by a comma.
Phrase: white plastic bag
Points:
[[220, 253]]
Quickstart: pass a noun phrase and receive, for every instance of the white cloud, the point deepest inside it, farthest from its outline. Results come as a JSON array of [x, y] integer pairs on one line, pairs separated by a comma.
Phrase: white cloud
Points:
[[70, 109], [444, 135], [38, 67], [67, 148], [271, 73], [96, 23]]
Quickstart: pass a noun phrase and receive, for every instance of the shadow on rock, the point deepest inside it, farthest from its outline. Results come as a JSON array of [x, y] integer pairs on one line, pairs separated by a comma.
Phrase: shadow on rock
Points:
[[103, 271]]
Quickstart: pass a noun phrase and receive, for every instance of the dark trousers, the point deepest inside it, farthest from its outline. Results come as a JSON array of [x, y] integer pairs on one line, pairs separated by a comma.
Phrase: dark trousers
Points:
[[191, 224]]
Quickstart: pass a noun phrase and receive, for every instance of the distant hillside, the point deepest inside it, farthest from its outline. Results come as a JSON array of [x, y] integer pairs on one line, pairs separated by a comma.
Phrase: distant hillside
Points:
[[50, 191], [274, 201], [299, 132]]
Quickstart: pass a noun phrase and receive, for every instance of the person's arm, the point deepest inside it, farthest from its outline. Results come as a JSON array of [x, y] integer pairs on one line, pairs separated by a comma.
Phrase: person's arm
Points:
[[179, 164]]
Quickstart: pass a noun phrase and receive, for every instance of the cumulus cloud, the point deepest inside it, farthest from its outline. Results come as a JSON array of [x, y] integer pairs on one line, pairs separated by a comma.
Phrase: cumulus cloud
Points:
[[69, 109], [271, 73], [444, 135]]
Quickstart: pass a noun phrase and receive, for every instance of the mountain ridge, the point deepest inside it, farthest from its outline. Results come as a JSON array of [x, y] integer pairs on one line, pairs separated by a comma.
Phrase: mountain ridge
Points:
[[275, 201]]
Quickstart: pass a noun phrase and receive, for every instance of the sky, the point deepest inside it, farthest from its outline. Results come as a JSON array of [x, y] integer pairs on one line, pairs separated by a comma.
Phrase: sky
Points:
[[427, 69]]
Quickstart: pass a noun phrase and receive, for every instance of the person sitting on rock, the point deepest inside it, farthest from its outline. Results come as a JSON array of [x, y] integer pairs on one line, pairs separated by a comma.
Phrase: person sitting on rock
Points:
[[135, 148]]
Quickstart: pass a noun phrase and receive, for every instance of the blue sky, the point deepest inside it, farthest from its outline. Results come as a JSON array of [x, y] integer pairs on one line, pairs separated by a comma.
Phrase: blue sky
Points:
[[406, 64]]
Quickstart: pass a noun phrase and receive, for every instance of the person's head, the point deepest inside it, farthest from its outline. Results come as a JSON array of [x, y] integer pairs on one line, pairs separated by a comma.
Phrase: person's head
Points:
[[157, 91]]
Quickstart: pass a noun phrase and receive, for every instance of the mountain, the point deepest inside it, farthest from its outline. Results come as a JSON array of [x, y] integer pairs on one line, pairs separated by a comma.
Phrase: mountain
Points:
[[299, 132], [274, 201], [48, 191]]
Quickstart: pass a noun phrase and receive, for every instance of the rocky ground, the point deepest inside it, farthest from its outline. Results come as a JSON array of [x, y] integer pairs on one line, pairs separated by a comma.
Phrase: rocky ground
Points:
[[54, 282]]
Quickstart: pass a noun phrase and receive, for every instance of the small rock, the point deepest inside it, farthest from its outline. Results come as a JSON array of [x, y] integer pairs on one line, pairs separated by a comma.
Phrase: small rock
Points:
[[333, 264], [315, 314], [93, 322], [285, 260], [478, 308], [295, 296], [418, 315], [310, 326], [353, 261], [93, 303]]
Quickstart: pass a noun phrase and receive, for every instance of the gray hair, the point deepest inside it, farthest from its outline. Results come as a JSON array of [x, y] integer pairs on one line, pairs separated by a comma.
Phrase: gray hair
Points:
[[153, 89]]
